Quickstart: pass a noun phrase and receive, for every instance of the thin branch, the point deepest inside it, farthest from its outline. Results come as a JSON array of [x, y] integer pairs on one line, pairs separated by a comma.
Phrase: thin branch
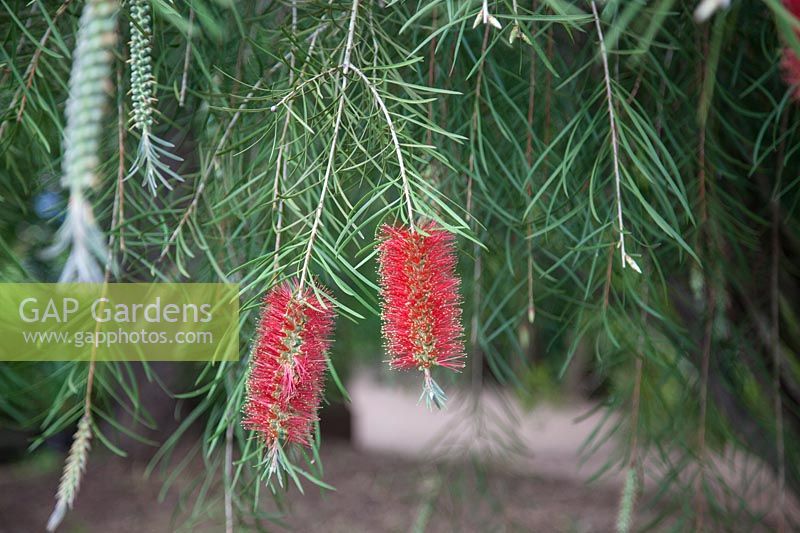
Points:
[[431, 74], [776, 363], [228, 479], [709, 309], [614, 138], [282, 164], [186, 58], [75, 464], [207, 170], [476, 355], [475, 112], [297, 90], [403, 175], [662, 91], [609, 271], [21, 43], [529, 161], [636, 396], [30, 71], [780, 446], [548, 88], [345, 66], [121, 133], [628, 502], [636, 402], [701, 432], [311, 38]]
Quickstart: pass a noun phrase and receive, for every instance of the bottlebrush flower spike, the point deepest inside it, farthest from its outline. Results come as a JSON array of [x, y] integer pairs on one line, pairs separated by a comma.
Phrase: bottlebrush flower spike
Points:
[[287, 367], [790, 63], [421, 308]]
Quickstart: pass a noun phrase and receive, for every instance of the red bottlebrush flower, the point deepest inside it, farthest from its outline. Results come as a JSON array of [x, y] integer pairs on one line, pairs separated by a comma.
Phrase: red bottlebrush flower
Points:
[[287, 366], [790, 63], [421, 307]]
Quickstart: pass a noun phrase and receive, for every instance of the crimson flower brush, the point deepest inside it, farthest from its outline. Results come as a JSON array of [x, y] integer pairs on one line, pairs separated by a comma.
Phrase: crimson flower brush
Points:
[[421, 308], [287, 367]]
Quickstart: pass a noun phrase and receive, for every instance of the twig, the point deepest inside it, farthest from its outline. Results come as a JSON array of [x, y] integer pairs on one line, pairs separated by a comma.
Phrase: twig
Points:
[[75, 464], [431, 75], [607, 284], [228, 468], [635, 403], [228, 479], [185, 77], [701, 432], [345, 66], [403, 175], [311, 38], [614, 139], [121, 132], [709, 319], [780, 447], [477, 354], [21, 43], [204, 177], [294, 92], [628, 502], [548, 86], [636, 85], [282, 165], [30, 71], [475, 111], [529, 160], [477, 266], [662, 91], [207, 170], [776, 363]]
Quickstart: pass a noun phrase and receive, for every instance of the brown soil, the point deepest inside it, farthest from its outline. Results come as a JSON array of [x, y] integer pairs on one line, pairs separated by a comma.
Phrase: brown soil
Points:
[[375, 493]]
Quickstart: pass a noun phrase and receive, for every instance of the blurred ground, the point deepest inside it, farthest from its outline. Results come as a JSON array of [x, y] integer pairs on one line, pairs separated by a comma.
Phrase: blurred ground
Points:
[[545, 441], [487, 466], [375, 493], [383, 493]]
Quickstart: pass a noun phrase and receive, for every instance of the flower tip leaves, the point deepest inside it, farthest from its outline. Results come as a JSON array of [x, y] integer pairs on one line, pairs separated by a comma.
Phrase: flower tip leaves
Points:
[[631, 262], [706, 8], [485, 17], [517, 33], [432, 393], [478, 20]]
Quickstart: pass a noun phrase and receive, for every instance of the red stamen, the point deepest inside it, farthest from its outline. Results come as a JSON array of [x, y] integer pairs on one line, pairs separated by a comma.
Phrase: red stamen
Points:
[[421, 304], [287, 365]]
